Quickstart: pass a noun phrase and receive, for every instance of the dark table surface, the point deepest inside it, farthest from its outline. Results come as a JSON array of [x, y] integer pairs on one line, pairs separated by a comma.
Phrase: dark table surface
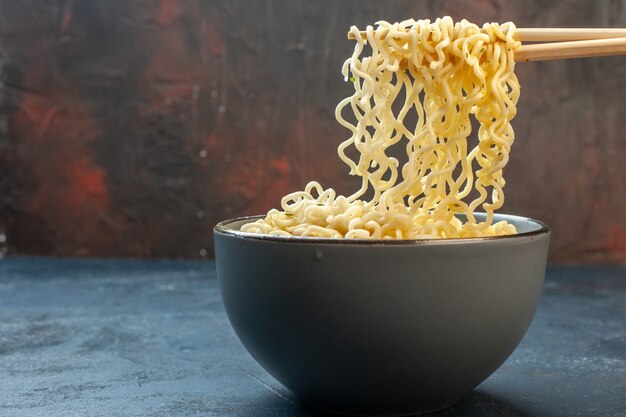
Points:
[[150, 338]]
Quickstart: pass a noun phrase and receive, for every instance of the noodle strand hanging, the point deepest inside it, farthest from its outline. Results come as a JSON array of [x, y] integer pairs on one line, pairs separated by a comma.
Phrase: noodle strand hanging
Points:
[[447, 74]]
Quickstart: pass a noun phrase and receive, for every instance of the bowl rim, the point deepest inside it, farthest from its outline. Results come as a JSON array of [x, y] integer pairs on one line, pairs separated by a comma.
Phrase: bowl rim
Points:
[[222, 228]]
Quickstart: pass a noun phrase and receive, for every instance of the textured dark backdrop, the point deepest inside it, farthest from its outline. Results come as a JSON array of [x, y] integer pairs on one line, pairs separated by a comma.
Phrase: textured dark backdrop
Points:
[[129, 128]]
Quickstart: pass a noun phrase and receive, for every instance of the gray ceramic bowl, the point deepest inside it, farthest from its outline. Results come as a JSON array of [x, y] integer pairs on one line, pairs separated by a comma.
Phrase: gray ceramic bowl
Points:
[[373, 327]]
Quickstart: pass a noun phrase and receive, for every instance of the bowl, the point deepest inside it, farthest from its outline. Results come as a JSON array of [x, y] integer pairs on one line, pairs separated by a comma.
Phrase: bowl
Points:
[[381, 327]]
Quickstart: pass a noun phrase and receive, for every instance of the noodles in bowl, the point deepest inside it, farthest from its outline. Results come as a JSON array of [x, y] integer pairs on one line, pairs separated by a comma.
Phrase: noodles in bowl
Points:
[[400, 303], [448, 73]]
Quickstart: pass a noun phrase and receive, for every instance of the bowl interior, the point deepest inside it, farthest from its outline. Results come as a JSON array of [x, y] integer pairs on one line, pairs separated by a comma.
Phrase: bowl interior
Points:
[[525, 226]]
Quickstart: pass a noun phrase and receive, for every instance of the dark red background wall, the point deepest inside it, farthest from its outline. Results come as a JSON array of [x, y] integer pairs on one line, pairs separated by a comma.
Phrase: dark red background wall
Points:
[[129, 128]]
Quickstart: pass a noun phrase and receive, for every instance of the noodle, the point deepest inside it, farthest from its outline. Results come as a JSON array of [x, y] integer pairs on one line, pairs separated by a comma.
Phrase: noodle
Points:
[[444, 72]]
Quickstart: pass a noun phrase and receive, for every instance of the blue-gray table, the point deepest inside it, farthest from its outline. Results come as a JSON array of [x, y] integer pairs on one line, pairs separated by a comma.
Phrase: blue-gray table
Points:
[[150, 338]]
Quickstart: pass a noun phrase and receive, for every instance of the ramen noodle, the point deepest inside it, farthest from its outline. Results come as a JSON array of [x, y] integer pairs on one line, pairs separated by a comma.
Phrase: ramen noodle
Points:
[[443, 75]]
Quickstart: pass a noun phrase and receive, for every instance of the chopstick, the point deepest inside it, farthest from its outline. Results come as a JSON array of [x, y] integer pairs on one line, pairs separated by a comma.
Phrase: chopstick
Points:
[[566, 43], [566, 34], [572, 49], [557, 34]]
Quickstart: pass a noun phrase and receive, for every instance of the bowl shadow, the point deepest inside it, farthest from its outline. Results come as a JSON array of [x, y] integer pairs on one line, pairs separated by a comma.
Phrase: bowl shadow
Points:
[[480, 404], [474, 404]]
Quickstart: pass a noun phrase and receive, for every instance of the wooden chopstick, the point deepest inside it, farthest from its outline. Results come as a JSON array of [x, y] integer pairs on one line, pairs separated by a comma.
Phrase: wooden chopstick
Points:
[[566, 43], [572, 49], [566, 34], [557, 34]]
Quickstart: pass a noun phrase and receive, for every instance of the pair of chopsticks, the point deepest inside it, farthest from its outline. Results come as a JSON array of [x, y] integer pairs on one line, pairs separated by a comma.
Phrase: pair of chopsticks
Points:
[[563, 43]]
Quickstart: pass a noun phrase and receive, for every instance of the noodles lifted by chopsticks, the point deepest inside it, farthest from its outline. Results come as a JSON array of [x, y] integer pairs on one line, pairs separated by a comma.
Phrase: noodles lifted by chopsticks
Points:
[[445, 72]]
